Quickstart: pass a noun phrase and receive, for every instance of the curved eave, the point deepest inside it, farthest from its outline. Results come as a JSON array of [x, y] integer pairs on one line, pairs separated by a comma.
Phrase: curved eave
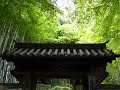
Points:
[[77, 58]]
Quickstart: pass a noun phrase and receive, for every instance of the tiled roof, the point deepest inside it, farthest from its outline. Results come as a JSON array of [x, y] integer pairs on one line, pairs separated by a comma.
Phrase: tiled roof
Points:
[[60, 50], [27, 56]]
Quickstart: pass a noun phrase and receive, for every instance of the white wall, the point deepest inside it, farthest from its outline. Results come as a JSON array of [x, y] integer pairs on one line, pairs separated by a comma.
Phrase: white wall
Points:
[[3, 87]]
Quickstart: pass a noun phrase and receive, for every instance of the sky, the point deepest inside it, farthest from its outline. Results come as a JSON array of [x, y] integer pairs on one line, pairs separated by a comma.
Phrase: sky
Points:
[[63, 4], [67, 7]]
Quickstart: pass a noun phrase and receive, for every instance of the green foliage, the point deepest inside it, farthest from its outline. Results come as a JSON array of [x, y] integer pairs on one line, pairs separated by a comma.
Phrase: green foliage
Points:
[[60, 88], [65, 34], [107, 28], [104, 17], [113, 70], [30, 18]]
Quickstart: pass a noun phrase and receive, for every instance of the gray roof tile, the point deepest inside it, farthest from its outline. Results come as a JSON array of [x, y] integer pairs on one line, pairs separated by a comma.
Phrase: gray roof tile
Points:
[[60, 50]]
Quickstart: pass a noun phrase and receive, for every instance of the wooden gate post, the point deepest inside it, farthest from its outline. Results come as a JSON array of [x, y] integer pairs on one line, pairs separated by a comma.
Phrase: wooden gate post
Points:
[[92, 82], [92, 78], [29, 83]]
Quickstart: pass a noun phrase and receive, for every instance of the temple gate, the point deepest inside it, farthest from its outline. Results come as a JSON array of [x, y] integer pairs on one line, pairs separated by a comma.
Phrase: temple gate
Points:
[[83, 64]]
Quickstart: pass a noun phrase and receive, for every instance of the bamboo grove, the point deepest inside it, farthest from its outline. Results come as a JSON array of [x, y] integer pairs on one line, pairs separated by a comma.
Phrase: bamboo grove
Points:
[[42, 21]]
